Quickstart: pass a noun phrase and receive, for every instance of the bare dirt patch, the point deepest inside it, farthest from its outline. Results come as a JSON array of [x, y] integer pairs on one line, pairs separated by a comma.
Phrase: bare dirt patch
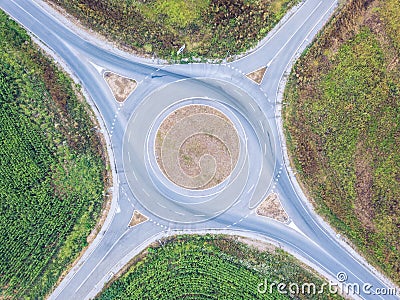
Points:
[[272, 208], [120, 86], [137, 218], [259, 245], [257, 75], [363, 206], [222, 147]]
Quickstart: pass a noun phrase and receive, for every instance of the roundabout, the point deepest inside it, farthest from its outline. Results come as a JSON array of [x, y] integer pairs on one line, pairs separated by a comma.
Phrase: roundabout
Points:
[[233, 179], [192, 149]]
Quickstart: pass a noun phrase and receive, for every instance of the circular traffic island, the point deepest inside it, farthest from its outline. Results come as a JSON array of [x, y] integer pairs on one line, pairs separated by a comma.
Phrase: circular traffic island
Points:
[[197, 147]]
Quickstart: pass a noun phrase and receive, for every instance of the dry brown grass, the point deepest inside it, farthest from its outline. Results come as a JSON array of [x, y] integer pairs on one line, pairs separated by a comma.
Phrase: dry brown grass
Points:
[[272, 208], [196, 146], [120, 86], [137, 218], [257, 75]]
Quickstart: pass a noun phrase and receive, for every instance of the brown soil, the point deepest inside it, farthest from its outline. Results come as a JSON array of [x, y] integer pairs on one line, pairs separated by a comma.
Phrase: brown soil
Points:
[[259, 245], [120, 86], [272, 208], [257, 75], [363, 207], [194, 148], [137, 218], [197, 145]]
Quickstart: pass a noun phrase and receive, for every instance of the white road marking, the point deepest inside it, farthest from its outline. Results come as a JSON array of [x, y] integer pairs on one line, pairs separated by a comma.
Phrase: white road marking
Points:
[[98, 68], [237, 92], [289, 39], [252, 107], [159, 204]]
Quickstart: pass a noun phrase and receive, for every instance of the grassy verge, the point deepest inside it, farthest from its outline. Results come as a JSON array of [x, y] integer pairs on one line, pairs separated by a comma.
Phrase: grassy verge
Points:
[[52, 168], [210, 267], [209, 28], [342, 123]]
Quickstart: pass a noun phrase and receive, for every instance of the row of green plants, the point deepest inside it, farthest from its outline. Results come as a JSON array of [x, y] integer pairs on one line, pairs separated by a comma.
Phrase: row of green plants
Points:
[[52, 169], [209, 267], [210, 29], [342, 122]]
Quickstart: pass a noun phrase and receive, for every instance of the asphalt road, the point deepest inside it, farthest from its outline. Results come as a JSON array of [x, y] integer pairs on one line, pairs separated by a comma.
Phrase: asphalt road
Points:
[[140, 184]]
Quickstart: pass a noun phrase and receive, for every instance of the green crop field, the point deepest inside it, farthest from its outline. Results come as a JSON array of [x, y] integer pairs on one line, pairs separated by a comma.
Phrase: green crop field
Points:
[[342, 121], [210, 267], [208, 28], [52, 169]]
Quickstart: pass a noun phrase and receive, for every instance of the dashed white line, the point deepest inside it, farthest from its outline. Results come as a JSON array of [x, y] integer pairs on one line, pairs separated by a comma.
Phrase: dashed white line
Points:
[[237, 92], [236, 203], [159, 204]]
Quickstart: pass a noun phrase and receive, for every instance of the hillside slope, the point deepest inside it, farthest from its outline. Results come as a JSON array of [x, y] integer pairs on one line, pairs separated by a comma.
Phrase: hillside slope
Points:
[[342, 122]]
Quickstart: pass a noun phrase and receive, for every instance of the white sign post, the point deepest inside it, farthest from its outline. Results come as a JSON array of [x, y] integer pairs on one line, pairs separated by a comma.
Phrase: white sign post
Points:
[[181, 49]]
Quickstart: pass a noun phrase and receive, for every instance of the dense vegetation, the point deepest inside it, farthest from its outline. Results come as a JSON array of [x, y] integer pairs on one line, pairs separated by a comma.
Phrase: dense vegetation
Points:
[[343, 127], [209, 28], [52, 168], [209, 267]]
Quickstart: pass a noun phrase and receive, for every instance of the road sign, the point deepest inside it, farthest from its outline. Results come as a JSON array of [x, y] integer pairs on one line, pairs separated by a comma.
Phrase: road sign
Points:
[[181, 49]]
